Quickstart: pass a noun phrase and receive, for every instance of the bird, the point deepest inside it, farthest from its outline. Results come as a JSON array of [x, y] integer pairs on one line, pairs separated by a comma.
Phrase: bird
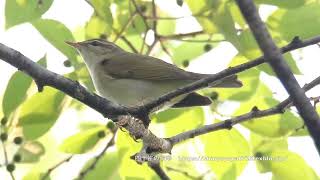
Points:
[[129, 79]]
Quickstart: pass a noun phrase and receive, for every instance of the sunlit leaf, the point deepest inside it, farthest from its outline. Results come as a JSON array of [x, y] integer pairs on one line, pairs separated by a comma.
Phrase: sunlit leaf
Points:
[[165, 27], [188, 51], [188, 118], [36, 175], [82, 141], [20, 11], [16, 90], [39, 112], [102, 9], [287, 22], [96, 27], [226, 144], [249, 79], [264, 146], [126, 147], [106, 168], [249, 48], [57, 33], [290, 166], [272, 126]]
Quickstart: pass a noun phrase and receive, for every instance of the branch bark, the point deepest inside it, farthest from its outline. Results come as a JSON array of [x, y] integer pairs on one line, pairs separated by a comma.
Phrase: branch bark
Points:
[[281, 68]]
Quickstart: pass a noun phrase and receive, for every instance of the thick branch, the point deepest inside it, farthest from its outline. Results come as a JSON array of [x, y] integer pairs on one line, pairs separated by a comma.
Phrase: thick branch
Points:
[[282, 70]]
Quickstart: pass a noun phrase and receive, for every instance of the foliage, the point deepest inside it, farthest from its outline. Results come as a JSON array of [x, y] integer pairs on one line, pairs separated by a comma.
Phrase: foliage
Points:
[[34, 115]]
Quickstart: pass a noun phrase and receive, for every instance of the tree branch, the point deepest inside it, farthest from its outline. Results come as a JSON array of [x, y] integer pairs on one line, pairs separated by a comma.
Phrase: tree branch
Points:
[[110, 143], [229, 123], [47, 174], [282, 70], [157, 168], [178, 36]]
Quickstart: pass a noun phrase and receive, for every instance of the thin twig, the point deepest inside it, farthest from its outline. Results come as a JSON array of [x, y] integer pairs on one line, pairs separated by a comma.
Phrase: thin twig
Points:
[[150, 48], [154, 15], [140, 13], [55, 167], [125, 26], [198, 40], [5, 153], [98, 157], [181, 35], [129, 44], [164, 48]]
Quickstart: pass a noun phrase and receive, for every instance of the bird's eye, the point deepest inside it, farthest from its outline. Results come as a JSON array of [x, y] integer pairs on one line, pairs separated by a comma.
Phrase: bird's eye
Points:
[[95, 43]]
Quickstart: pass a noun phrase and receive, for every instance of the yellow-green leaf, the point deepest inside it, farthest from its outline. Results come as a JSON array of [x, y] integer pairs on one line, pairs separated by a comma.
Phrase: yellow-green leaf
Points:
[[82, 141]]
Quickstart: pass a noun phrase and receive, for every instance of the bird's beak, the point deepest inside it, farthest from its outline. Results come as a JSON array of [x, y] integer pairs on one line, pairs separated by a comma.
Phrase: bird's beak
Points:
[[73, 44]]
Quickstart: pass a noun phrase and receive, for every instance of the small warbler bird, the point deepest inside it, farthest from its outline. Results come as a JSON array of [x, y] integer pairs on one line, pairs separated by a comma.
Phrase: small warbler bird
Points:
[[129, 79]]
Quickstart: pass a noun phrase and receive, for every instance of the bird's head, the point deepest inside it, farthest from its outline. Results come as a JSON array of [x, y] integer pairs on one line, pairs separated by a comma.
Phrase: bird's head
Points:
[[95, 50]]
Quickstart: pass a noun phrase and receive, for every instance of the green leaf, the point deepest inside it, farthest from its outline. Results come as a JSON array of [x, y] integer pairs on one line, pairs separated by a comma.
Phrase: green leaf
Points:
[[289, 59], [106, 168], [102, 8], [188, 51], [230, 174], [97, 27], [225, 23], [264, 146], [31, 151], [20, 11], [271, 126], [188, 118], [204, 7], [292, 166], [136, 41], [237, 15], [16, 91], [86, 125], [283, 3], [123, 15], [35, 175], [39, 113], [165, 27], [249, 79], [126, 147], [226, 144], [286, 23], [82, 142], [57, 33], [250, 49]]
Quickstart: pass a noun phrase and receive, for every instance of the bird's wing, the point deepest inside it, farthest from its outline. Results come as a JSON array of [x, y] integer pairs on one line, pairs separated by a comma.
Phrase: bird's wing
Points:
[[144, 67], [153, 69]]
